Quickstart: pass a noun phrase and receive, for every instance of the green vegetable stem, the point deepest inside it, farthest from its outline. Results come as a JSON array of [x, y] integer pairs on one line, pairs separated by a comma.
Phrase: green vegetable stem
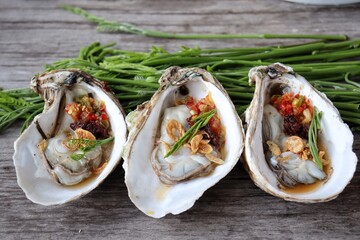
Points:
[[87, 146], [313, 133], [133, 75], [110, 26], [199, 122]]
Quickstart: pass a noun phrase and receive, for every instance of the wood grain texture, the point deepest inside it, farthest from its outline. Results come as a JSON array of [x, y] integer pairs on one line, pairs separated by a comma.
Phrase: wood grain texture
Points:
[[33, 33]]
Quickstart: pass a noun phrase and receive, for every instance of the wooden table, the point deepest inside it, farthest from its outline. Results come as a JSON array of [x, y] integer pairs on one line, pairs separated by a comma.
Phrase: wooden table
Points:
[[33, 33]]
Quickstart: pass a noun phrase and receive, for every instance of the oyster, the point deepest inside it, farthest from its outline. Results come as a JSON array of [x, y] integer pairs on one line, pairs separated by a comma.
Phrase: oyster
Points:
[[282, 157], [161, 180], [76, 141]]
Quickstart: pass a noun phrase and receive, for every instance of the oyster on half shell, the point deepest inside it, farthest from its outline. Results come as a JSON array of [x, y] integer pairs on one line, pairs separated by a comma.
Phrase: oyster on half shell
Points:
[[278, 153], [74, 144], [159, 184]]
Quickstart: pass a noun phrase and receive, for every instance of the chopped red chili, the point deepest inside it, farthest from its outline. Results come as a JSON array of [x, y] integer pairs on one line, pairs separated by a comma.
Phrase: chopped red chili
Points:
[[292, 108], [89, 114], [104, 116], [213, 128]]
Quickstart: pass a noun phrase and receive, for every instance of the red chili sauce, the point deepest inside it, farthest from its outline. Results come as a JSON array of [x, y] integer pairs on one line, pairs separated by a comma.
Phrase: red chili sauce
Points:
[[89, 114], [292, 109]]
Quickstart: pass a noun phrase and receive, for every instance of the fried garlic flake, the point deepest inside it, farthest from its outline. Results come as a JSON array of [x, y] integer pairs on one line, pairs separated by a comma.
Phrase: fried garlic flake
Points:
[[275, 150], [175, 130], [205, 148], [198, 144], [305, 155], [214, 159], [195, 143], [295, 144], [322, 158]]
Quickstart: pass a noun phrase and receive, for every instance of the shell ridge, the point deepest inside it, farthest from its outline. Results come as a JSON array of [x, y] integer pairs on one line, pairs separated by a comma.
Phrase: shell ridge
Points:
[[144, 196], [253, 158], [32, 174]]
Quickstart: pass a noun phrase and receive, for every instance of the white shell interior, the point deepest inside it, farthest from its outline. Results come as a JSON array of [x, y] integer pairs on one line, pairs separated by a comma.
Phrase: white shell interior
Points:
[[146, 191], [335, 135], [31, 172]]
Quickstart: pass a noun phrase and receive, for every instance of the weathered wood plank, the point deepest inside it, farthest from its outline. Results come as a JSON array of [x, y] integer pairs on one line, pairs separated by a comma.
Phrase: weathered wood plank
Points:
[[33, 33]]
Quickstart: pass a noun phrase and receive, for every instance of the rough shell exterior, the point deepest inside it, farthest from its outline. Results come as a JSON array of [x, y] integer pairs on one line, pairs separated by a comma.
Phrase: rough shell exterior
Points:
[[145, 189], [33, 173], [335, 135]]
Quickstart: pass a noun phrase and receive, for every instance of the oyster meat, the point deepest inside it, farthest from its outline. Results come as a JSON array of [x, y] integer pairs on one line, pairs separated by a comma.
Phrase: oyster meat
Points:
[[181, 142], [297, 147], [76, 141]]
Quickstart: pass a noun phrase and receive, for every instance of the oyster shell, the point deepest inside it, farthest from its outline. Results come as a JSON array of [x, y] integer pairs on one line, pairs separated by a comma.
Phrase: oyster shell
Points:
[[264, 123], [43, 159], [158, 185]]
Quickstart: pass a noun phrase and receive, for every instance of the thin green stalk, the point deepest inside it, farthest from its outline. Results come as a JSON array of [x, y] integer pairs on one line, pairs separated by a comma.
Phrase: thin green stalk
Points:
[[330, 56], [352, 121], [355, 95], [241, 109], [141, 91], [324, 84], [241, 95], [132, 97], [109, 26], [332, 78], [199, 122], [250, 57], [227, 62], [335, 70], [352, 114], [226, 80], [89, 146], [134, 75], [129, 82], [335, 98], [7, 119], [347, 44], [349, 81], [328, 64], [231, 50], [313, 129], [5, 108], [347, 106]]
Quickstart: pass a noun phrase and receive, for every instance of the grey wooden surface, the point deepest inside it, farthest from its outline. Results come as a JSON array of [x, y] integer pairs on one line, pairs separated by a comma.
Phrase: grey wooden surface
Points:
[[33, 33]]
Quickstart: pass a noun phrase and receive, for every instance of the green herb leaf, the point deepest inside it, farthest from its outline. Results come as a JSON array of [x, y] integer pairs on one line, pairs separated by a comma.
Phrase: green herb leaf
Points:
[[199, 122], [110, 26], [77, 156], [88, 146], [313, 129]]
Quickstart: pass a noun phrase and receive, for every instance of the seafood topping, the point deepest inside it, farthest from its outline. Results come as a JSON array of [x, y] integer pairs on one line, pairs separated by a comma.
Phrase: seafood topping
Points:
[[72, 140], [213, 128], [297, 112], [77, 149], [293, 150], [89, 114], [293, 131], [177, 146], [191, 140]]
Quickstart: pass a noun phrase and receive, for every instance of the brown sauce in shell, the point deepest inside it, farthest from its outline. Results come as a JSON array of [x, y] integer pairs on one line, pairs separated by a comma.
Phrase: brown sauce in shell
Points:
[[306, 188]]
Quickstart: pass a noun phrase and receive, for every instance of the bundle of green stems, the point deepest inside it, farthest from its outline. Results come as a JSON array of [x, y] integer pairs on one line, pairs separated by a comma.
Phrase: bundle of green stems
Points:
[[331, 67]]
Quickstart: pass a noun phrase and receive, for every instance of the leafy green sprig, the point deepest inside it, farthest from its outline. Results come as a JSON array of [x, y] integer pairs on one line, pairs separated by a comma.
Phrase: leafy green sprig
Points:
[[313, 133], [199, 122], [111, 26], [86, 146], [20, 103]]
